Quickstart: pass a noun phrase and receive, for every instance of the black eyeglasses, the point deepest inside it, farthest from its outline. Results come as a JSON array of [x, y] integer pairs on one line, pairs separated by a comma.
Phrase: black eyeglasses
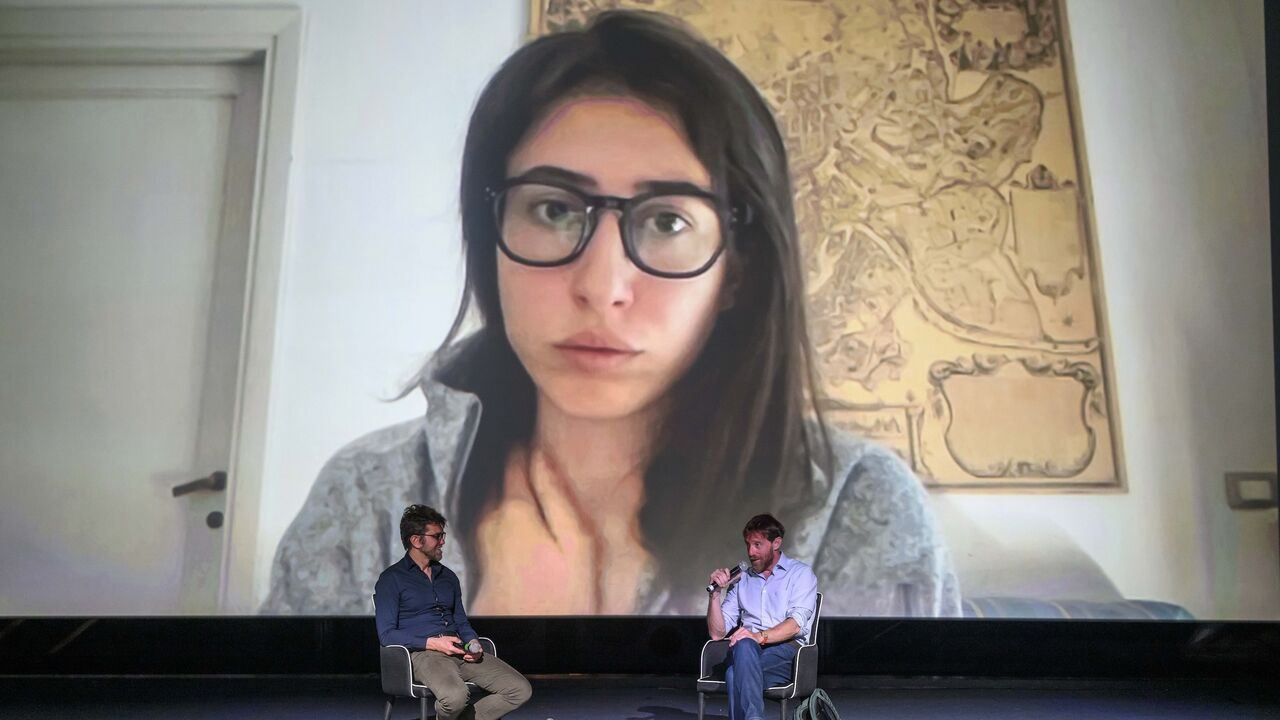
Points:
[[438, 536], [667, 233]]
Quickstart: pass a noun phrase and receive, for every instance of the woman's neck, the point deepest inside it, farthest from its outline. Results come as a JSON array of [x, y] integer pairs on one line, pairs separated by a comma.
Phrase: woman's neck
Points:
[[593, 455]]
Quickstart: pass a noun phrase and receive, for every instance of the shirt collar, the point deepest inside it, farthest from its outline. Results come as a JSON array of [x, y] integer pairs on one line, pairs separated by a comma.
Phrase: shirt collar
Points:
[[452, 417], [780, 568], [409, 563]]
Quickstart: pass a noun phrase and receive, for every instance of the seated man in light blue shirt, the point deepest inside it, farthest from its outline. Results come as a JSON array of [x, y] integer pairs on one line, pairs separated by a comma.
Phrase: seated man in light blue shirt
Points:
[[771, 606]]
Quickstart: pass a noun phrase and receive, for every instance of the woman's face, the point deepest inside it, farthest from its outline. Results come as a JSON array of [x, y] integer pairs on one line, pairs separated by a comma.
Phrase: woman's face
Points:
[[601, 338]]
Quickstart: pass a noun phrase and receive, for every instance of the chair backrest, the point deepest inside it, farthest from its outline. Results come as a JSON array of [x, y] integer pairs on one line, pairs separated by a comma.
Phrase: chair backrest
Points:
[[817, 615], [805, 671]]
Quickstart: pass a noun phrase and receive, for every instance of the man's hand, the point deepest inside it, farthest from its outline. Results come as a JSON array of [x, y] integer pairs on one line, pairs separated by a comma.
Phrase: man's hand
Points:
[[742, 634], [719, 578], [474, 652], [446, 644]]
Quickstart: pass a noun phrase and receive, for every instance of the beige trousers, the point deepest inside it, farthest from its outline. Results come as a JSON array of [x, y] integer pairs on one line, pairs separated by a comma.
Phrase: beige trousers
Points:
[[447, 677]]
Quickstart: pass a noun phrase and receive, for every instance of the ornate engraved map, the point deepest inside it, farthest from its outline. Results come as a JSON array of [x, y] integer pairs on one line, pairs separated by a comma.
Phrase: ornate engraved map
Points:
[[943, 205]]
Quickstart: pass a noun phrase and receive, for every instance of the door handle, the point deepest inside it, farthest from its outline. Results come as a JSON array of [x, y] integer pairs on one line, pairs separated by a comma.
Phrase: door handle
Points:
[[216, 482]]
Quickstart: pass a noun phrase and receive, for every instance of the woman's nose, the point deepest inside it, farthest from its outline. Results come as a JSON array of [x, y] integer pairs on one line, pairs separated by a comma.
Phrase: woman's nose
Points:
[[604, 275]]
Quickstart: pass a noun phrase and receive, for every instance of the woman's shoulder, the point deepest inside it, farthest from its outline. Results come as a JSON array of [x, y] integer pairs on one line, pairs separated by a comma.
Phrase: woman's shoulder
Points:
[[391, 448], [875, 497], [374, 471], [385, 452], [336, 547], [880, 550], [873, 467], [385, 440]]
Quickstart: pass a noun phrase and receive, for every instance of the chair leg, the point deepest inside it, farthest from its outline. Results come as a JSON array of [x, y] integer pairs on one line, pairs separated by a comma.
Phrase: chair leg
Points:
[[424, 709], [386, 714], [783, 715], [702, 704]]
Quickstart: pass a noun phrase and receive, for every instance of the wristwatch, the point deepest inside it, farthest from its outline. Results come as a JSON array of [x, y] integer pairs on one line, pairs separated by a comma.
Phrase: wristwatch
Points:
[[764, 637]]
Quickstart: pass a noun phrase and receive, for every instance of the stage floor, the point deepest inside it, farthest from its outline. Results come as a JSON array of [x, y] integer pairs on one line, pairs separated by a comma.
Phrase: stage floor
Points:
[[649, 698]]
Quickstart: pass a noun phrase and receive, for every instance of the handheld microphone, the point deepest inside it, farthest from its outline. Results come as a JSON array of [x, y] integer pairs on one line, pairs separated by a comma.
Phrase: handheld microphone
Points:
[[732, 574]]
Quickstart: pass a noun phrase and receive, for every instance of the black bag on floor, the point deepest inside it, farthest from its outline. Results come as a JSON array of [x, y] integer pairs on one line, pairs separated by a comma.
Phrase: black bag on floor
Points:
[[817, 707]]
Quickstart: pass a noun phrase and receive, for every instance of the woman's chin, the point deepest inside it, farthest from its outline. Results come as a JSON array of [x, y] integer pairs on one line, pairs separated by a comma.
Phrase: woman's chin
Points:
[[597, 401]]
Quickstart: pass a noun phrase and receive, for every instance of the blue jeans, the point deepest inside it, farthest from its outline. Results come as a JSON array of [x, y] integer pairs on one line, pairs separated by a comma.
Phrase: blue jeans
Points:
[[751, 669]]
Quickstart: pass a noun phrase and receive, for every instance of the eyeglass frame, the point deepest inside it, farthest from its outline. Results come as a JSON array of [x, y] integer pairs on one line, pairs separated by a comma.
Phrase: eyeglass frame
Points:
[[730, 216], [438, 537]]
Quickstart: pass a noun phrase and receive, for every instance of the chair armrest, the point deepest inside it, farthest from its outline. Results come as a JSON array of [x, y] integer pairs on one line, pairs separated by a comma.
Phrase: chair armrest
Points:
[[806, 671], [397, 672], [714, 655]]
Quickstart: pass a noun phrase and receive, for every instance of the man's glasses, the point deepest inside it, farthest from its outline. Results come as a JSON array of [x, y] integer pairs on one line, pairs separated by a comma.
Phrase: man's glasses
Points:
[[438, 536], [667, 234]]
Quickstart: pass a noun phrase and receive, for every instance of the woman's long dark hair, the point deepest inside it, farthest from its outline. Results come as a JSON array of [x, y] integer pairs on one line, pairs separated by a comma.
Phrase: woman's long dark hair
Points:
[[736, 441]]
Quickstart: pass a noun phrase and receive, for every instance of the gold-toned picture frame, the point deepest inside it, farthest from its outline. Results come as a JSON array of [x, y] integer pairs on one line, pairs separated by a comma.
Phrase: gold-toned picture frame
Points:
[[955, 301]]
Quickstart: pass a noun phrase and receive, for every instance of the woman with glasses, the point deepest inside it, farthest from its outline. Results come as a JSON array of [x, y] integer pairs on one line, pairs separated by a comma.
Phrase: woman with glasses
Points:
[[641, 379]]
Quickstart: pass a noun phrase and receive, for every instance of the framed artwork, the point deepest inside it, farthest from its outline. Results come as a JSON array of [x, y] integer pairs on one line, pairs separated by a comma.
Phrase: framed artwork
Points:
[[942, 194]]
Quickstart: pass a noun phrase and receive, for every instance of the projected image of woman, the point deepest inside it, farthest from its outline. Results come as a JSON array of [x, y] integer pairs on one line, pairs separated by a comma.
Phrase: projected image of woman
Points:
[[641, 380]]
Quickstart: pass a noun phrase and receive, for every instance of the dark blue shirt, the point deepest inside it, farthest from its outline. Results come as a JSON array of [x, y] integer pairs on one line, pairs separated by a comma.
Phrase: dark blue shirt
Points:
[[411, 607]]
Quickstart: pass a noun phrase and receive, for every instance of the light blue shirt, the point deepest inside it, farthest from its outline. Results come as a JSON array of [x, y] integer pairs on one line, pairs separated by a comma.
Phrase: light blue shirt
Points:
[[790, 591]]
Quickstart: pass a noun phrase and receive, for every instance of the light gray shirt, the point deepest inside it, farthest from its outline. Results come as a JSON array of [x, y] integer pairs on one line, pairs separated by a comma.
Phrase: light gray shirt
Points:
[[759, 603], [866, 529]]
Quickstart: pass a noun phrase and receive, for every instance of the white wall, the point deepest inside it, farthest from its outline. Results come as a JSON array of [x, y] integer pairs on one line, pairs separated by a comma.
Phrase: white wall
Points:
[[1173, 100], [373, 267]]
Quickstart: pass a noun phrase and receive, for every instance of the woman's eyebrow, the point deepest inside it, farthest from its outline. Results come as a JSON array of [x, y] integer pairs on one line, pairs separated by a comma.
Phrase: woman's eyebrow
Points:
[[558, 174], [551, 172], [670, 187]]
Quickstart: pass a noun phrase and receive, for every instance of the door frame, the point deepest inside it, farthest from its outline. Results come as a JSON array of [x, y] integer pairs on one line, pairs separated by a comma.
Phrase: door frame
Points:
[[207, 35]]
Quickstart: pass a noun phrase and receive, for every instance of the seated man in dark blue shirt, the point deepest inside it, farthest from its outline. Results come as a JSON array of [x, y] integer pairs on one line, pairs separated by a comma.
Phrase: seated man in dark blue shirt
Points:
[[419, 605]]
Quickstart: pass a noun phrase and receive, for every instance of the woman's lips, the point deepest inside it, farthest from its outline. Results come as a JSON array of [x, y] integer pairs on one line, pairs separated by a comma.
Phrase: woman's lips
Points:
[[595, 359], [596, 350]]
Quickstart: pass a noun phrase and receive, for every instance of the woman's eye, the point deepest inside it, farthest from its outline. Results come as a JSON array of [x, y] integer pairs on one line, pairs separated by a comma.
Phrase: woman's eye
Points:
[[552, 211], [667, 223]]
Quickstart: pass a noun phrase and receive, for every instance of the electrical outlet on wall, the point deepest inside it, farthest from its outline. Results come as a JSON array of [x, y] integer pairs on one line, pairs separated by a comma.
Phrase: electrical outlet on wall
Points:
[[1251, 490]]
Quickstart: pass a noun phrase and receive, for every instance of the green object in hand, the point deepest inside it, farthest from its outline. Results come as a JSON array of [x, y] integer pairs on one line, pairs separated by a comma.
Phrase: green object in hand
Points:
[[474, 646]]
